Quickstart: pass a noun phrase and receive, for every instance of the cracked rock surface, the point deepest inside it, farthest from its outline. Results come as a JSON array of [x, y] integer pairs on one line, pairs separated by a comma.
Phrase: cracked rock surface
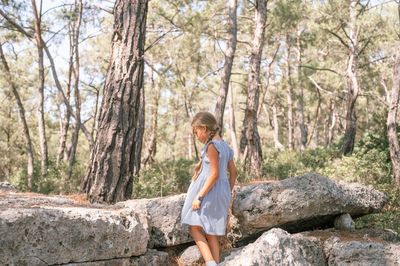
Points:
[[302, 203], [51, 230]]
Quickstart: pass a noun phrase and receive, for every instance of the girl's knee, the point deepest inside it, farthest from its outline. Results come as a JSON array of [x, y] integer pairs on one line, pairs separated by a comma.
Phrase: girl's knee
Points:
[[211, 236], [195, 228]]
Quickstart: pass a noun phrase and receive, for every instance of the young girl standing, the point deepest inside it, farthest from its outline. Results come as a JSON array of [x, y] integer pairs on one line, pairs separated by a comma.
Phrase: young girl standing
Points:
[[208, 199]]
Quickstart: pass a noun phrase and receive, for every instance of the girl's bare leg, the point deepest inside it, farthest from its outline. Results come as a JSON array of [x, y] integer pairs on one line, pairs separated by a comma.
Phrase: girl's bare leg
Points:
[[214, 246], [201, 242]]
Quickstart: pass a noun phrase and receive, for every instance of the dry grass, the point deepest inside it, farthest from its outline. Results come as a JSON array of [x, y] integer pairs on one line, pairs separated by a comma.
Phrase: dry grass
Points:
[[345, 236], [80, 199]]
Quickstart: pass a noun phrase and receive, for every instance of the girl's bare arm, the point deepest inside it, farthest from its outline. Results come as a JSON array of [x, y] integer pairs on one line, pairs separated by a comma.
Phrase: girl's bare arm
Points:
[[212, 154], [232, 173]]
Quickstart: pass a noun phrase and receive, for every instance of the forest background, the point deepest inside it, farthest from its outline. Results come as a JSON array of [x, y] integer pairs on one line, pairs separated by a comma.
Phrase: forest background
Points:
[[327, 69]]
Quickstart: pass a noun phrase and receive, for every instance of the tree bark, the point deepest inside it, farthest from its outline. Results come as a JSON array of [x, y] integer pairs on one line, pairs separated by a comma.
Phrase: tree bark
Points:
[[41, 124], [227, 68], [302, 127], [289, 96], [352, 84], [250, 140], [392, 116], [21, 110], [115, 158]]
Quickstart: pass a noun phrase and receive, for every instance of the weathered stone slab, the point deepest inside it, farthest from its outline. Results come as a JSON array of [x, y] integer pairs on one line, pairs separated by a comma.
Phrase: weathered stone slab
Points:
[[39, 232], [357, 247], [150, 258], [302, 203], [360, 253], [278, 247], [164, 216], [191, 256]]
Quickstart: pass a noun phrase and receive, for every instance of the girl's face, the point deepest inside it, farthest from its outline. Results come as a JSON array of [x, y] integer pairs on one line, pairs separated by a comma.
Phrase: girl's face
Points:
[[201, 133]]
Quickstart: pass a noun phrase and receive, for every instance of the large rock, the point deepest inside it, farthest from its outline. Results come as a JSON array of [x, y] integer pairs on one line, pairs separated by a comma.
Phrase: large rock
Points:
[[52, 230], [302, 203], [7, 187], [278, 247], [361, 253], [164, 216], [150, 258], [344, 222], [358, 247], [191, 256]]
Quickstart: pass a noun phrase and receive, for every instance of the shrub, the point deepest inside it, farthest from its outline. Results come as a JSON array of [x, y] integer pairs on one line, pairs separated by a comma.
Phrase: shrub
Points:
[[164, 178], [54, 182]]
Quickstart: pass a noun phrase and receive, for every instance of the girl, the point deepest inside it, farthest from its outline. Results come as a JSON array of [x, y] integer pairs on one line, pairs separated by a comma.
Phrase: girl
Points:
[[208, 199]]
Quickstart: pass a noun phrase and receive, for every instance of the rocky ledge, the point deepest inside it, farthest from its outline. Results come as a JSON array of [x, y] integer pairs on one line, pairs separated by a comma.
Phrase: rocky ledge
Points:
[[45, 230]]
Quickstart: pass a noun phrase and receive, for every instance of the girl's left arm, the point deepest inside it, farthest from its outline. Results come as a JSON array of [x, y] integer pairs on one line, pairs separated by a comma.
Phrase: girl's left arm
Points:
[[212, 154]]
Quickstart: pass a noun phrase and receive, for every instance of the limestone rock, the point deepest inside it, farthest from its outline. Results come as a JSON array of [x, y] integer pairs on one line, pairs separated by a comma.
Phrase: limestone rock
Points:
[[358, 247], [191, 256], [344, 222], [387, 235], [150, 258], [7, 187], [364, 253], [277, 247], [38, 232], [302, 203], [164, 220]]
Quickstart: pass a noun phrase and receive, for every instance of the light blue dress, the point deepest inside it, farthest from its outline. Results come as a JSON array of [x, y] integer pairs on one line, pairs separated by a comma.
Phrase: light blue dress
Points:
[[214, 208]]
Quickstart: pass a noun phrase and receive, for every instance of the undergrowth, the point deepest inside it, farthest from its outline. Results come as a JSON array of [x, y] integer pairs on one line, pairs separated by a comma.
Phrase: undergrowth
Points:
[[369, 164]]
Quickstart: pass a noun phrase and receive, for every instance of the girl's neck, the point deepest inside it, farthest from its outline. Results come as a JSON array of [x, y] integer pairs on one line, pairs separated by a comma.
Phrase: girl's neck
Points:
[[216, 137]]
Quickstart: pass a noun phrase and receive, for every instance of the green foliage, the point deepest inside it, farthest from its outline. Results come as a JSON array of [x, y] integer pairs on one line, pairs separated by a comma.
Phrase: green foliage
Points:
[[54, 182], [164, 178]]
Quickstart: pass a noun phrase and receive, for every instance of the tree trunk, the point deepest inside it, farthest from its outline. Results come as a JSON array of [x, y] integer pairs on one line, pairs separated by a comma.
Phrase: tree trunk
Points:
[[275, 124], [54, 72], [392, 115], [151, 147], [250, 140], [289, 96], [352, 84], [75, 134], [115, 158], [332, 122], [41, 126], [232, 122], [268, 76], [21, 110], [62, 152], [227, 68], [302, 127]]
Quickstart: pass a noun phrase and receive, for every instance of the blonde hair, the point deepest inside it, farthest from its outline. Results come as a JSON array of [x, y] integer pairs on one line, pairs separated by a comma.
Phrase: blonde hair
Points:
[[208, 120]]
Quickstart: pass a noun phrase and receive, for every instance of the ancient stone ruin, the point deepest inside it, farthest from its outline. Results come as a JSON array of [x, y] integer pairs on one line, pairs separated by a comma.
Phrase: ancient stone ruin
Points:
[[305, 220]]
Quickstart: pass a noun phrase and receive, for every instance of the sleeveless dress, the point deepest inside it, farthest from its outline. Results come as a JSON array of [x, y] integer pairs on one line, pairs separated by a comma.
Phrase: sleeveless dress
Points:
[[214, 208]]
